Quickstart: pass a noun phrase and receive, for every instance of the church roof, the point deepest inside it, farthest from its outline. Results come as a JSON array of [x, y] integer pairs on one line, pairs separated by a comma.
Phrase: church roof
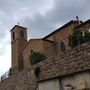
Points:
[[81, 25], [67, 24], [18, 26]]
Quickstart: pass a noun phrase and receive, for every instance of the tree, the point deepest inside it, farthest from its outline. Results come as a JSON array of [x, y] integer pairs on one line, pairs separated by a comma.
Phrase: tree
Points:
[[77, 38]]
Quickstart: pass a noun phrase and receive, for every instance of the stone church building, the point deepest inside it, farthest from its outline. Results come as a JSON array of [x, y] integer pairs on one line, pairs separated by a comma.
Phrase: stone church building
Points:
[[64, 69]]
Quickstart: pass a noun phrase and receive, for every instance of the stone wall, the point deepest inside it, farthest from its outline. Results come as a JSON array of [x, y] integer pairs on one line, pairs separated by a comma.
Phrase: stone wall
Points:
[[24, 80], [62, 33], [35, 45], [49, 48], [72, 61], [38, 45], [84, 26]]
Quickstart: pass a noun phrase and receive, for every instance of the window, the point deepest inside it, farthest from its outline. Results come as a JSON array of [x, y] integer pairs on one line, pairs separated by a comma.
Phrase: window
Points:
[[32, 51], [22, 34], [13, 35], [62, 46]]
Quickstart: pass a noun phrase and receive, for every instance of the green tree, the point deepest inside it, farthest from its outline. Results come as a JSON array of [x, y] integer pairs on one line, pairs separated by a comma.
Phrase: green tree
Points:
[[78, 37]]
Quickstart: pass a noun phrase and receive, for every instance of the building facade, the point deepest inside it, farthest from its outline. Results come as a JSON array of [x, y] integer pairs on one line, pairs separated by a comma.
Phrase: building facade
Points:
[[64, 69], [50, 45]]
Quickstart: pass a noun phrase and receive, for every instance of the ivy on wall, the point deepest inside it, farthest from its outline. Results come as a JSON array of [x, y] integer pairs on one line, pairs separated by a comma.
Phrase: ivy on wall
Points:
[[78, 37], [36, 57]]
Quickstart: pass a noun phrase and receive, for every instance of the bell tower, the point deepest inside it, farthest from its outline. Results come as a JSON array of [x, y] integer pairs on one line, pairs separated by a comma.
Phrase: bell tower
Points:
[[18, 41]]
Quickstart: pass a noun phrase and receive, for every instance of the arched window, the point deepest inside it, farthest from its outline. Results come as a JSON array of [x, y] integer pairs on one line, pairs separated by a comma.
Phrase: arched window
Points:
[[22, 34], [62, 46], [13, 35]]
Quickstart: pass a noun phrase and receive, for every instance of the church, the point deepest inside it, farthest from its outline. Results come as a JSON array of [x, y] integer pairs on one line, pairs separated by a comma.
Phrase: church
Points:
[[65, 68], [49, 45]]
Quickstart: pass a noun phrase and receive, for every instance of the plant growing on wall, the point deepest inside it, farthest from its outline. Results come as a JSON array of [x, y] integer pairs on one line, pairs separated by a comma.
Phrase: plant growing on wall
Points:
[[36, 57], [37, 71], [78, 37], [87, 36]]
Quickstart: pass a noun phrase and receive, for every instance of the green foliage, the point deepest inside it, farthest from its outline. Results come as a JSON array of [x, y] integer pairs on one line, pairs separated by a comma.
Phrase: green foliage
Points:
[[37, 71], [78, 37], [36, 57], [87, 36]]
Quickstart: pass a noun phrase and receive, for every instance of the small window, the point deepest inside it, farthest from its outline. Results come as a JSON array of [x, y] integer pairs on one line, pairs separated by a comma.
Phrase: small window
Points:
[[13, 35], [22, 34], [62, 46], [32, 51]]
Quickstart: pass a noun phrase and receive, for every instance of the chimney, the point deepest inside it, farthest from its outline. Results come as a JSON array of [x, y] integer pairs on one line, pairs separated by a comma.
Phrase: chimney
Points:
[[77, 18]]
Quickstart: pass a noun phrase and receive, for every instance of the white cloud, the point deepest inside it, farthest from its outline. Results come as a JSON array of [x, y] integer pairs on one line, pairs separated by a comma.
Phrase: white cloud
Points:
[[39, 16], [11, 12], [5, 62]]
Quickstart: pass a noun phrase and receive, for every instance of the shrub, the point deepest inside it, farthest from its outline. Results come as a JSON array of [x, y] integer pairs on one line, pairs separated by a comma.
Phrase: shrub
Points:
[[77, 38], [36, 57], [37, 71]]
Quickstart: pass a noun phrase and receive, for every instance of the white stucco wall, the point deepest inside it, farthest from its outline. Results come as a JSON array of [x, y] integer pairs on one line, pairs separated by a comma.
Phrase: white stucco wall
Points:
[[74, 80], [60, 83], [49, 85]]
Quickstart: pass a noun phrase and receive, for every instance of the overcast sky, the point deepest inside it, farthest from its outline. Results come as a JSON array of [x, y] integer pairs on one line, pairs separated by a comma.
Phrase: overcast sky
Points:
[[39, 16]]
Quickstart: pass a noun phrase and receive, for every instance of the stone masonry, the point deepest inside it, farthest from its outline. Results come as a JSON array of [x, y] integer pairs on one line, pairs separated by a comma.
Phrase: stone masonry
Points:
[[72, 61]]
